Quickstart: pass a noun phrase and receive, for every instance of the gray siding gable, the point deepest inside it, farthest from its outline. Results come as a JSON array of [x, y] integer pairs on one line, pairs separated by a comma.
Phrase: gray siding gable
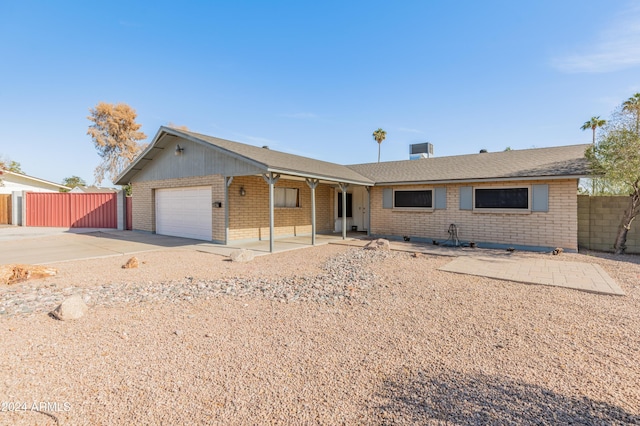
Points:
[[195, 160]]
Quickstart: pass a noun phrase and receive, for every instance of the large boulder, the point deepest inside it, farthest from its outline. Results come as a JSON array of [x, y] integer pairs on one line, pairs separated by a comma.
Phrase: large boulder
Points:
[[242, 255], [71, 308], [379, 244]]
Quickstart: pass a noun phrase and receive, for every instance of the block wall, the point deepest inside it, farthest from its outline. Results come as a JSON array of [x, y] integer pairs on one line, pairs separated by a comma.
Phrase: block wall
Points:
[[556, 228], [599, 220]]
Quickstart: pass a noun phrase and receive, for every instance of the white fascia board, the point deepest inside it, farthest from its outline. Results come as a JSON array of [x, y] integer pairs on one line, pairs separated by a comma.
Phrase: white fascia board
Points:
[[323, 178]]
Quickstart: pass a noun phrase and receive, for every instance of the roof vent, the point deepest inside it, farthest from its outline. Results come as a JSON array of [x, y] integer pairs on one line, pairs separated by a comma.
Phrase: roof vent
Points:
[[265, 146], [420, 150]]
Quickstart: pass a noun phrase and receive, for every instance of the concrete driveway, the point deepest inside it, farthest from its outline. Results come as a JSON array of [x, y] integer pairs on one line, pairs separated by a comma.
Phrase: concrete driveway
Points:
[[47, 245]]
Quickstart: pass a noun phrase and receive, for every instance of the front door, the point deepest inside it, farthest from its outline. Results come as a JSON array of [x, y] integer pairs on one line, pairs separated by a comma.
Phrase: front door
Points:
[[360, 208]]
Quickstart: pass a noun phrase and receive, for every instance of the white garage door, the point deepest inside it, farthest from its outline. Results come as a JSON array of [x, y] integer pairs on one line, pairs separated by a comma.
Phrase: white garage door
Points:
[[184, 212]]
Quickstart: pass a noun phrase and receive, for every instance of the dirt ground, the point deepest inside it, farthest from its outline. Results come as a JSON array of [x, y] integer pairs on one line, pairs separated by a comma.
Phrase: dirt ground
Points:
[[406, 344]]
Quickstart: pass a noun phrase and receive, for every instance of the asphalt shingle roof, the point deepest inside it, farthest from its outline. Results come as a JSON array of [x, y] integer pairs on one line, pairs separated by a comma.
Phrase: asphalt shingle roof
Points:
[[283, 161], [566, 161], [563, 161]]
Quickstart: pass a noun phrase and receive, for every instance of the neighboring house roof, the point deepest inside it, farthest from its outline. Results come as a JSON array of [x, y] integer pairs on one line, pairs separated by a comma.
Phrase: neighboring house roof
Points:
[[93, 190], [527, 164], [267, 159], [30, 181]]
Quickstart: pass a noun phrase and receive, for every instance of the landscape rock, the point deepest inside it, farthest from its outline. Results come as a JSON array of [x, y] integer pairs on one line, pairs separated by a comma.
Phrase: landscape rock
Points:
[[379, 244], [11, 274], [242, 255], [131, 263], [71, 309]]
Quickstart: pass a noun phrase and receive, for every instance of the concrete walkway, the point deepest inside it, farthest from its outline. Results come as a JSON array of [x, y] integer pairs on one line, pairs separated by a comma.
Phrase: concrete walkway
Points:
[[503, 265]]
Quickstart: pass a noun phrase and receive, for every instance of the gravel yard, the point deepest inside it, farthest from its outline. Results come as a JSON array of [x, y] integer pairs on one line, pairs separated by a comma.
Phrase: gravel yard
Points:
[[324, 335]]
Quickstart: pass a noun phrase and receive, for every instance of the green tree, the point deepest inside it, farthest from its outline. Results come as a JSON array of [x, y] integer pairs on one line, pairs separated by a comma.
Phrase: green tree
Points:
[[73, 181], [617, 157], [593, 124], [116, 136], [11, 166], [632, 106], [379, 135]]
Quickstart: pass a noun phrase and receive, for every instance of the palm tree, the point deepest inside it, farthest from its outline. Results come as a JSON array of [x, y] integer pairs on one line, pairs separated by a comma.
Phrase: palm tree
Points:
[[593, 124], [379, 135], [632, 105]]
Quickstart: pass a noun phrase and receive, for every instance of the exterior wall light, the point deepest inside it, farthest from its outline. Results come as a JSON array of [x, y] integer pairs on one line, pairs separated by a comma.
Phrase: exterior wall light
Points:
[[179, 150], [242, 192]]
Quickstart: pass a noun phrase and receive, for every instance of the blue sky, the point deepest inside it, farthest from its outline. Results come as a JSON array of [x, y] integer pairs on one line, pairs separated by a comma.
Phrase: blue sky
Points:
[[313, 78]]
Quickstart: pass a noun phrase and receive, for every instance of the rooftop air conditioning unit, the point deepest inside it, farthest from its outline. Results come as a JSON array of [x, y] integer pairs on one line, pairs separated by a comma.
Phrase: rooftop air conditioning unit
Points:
[[420, 150]]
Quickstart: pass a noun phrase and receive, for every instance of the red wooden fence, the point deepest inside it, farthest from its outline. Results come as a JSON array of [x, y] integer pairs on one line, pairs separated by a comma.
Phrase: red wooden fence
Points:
[[68, 210]]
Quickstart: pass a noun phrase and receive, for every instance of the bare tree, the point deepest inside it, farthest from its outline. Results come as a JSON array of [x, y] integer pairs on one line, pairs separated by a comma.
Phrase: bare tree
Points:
[[116, 136]]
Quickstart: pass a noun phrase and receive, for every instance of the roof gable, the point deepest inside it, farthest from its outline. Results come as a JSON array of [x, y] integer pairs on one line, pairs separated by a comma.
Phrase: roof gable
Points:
[[262, 159], [31, 181]]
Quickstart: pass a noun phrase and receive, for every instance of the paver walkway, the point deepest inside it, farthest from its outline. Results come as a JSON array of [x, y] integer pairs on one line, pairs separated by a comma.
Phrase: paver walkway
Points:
[[502, 265], [576, 275]]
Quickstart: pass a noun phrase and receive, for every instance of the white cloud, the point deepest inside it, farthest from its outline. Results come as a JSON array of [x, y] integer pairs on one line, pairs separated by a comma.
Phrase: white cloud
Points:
[[617, 47]]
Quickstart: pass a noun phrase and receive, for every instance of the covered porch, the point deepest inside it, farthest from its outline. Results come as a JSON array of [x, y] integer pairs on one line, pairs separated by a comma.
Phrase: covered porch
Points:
[[292, 209]]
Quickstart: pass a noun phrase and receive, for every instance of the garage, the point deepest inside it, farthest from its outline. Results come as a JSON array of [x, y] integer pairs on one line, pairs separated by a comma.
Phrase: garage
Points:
[[184, 212]]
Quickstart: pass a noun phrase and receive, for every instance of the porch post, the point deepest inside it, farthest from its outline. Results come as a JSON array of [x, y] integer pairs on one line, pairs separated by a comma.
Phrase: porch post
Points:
[[313, 183], [368, 188], [343, 188], [271, 180], [227, 182]]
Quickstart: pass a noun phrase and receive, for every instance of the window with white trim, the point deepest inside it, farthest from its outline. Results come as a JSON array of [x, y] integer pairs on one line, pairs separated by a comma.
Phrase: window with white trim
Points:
[[413, 199], [511, 198], [286, 197]]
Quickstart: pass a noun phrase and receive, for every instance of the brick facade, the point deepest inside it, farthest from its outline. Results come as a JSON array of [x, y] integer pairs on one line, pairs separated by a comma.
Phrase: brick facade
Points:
[[249, 214], [556, 228]]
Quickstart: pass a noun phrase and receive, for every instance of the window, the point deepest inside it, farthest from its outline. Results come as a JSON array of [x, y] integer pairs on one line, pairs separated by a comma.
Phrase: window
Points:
[[502, 198], [422, 199], [349, 204], [286, 197]]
